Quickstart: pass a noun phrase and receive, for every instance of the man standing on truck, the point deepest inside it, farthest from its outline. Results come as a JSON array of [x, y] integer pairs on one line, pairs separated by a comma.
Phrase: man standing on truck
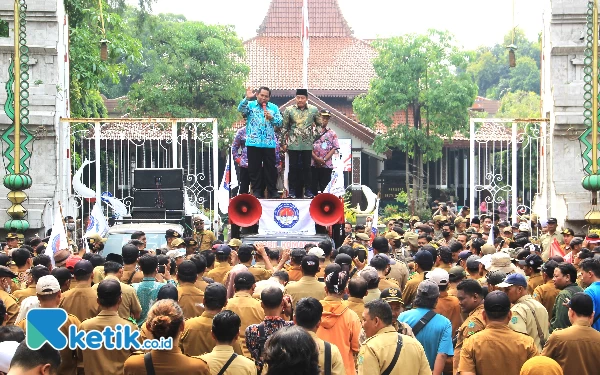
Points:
[[203, 237]]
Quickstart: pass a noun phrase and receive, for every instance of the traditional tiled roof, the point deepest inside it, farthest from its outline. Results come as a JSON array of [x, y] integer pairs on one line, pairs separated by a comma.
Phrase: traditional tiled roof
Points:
[[334, 64], [284, 19], [489, 106]]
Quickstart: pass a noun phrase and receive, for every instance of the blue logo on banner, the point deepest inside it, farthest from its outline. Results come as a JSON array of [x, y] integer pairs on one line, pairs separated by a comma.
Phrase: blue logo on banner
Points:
[[286, 215]]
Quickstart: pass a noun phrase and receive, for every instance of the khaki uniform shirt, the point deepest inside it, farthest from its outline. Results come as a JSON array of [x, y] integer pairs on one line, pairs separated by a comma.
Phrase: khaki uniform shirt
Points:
[[496, 350], [534, 281], [399, 272], [21, 294], [130, 306], [68, 357], [81, 301], [12, 307], [260, 273], [546, 240], [377, 352], [387, 282], [546, 295], [575, 349], [191, 300], [218, 273], [337, 362], [295, 273], [355, 304], [201, 284], [217, 358], [137, 278], [410, 290], [204, 238], [523, 321], [473, 324], [98, 275], [248, 309], [166, 362], [104, 361], [307, 286], [196, 339], [371, 295]]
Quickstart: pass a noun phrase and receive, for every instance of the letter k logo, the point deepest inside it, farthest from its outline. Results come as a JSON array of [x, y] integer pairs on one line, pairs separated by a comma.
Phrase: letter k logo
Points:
[[43, 325]]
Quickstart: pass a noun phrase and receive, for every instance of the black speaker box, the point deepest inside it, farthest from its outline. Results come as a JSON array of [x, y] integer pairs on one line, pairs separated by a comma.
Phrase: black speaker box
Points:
[[147, 178], [155, 213], [172, 198]]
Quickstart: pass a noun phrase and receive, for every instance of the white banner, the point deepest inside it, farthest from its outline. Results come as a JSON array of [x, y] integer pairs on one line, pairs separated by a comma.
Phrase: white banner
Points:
[[58, 237], [97, 222], [285, 216], [345, 153]]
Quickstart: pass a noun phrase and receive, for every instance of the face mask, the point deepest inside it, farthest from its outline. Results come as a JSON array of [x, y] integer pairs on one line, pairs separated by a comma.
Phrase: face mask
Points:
[[6, 287], [445, 234], [70, 227]]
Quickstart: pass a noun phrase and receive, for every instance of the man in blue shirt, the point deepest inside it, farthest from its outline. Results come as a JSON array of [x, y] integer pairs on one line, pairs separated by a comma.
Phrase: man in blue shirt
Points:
[[590, 275], [261, 119], [436, 335], [147, 290]]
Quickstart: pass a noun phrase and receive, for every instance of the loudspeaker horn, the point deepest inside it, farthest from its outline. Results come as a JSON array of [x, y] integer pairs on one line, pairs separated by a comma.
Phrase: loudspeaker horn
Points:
[[244, 210], [326, 209]]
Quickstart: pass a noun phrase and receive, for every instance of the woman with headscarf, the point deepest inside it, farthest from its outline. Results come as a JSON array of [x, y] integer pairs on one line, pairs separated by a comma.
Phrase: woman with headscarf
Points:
[[541, 365]]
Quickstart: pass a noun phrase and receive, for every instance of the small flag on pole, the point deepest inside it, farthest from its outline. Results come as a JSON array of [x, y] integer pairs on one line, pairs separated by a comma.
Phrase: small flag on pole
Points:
[[58, 237], [97, 222], [375, 221], [224, 189]]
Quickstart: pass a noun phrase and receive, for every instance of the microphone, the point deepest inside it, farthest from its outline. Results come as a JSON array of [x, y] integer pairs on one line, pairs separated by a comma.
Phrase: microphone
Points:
[[264, 105]]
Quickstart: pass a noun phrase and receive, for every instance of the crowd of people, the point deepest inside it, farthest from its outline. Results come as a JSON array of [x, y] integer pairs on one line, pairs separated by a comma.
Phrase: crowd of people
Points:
[[423, 297], [301, 131]]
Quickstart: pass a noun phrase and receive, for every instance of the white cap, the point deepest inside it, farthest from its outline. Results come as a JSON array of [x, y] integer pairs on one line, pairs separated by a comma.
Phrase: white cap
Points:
[[47, 285], [524, 227], [486, 260], [438, 276], [176, 253], [7, 352], [318, 252]]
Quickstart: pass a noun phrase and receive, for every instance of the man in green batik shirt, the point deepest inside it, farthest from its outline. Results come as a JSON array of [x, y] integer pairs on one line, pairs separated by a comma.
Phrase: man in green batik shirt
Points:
[[298, 139]]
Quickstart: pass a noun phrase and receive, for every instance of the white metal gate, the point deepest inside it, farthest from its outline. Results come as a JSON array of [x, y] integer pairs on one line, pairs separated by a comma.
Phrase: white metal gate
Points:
[[507, 160]]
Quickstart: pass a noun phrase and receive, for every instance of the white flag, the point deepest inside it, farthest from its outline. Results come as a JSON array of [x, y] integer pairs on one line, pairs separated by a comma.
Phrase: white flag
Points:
[[97, 222], [375, 220], [224, 189], [234, 179], [58, 237], [336, 185]]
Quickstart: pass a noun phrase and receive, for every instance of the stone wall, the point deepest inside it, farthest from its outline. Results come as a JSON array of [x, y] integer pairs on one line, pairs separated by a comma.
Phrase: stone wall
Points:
[[48, 92]]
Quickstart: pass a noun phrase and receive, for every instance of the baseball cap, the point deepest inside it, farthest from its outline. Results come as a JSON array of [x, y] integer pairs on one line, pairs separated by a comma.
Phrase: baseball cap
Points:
[[386, 258], [95, 237], [310, 264], [6, 272], [582, 304], [496, 301], [523, 227], [465, 254], [177, 242], [108, 288], [568, 231], [72, 261], [190, 241], [552, 220], [391, 295], [576, 241], [7, 352], [428, 289], [235, 242], [187, 268], [424, 259], [83, 267], [245, 250], [318, 252], [488, 249], [532, 260], [439, 276], [456, 273], [495, 277], [176, 253], [325, 112], [513, 279], [362, 236], [369, 274], [342, 259], [392, 235], [173, 233], [62, 274], [411, 238], [486, 260], [223, 249], [459, 220], [473, 261], [47, 285]]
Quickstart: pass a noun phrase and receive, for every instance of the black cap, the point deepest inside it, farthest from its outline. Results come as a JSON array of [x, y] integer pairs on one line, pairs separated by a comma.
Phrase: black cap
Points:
[[298, 253], [108, 288], [168, 291], [497, 302], [190, 241], [172, 233], [381, 244], [532, 260], [456, 273], [424, 259], [187, 268], [523, 254], [39, 271], [83, 267], [223, 249], [552, 220], [495, 277], [310, 264], [215, 292], [302, 92], [582, 304], [325, 112], [6, 272], [62, 274], [342, 259], [391, 295]]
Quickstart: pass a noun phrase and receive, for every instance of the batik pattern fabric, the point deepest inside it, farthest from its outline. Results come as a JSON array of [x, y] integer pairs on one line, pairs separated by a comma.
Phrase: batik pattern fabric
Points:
[[260, 132], [298, 127], [326, 142], [238, 148]]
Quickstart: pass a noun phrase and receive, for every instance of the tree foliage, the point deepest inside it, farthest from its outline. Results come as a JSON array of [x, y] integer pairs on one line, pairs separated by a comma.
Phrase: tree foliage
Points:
[[423, 73], [490, 69], [520, 104]]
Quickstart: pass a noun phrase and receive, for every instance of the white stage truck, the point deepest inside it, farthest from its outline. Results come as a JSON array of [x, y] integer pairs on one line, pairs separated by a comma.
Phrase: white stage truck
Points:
[[289, 223]]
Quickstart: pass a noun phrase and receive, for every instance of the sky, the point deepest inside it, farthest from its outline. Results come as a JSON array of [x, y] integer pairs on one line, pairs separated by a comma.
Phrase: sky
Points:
[[473, 22]]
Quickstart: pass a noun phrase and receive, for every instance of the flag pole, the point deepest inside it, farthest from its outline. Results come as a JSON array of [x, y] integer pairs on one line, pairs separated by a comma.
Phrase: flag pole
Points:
[[305, 44]]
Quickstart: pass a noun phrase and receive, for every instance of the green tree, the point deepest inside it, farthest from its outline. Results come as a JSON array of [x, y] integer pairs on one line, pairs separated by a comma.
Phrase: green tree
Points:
[[426, 75], [520, 104], [191, 70]]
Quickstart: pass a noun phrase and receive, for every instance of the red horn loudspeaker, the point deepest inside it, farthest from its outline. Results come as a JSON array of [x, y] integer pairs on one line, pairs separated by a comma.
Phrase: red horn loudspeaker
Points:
[[244, 210], [326, 209]]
